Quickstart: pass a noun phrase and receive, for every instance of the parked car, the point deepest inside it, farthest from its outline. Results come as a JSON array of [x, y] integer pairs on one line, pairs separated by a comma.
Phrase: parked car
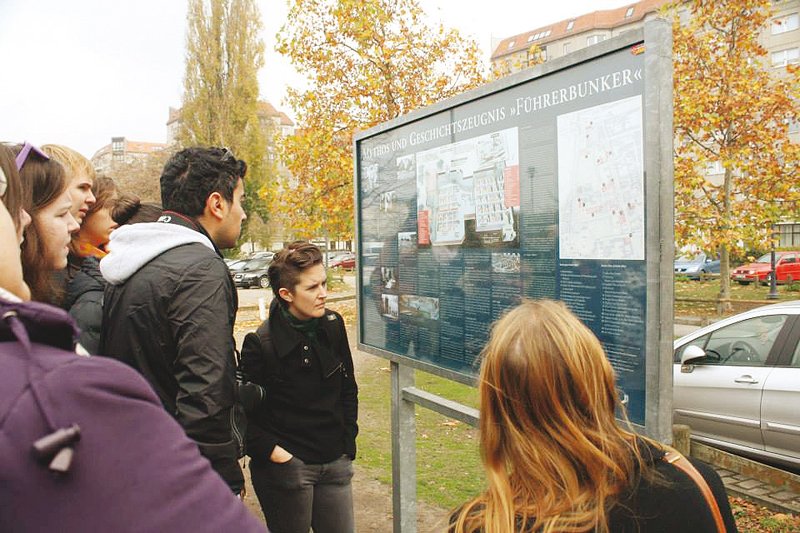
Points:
[[737, 384], [262, 255], [235, 265], [696, 266], [787, 269], [347, 261], [253, 274]]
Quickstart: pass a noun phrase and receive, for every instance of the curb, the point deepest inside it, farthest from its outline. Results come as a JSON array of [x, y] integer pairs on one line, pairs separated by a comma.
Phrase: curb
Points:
[[776, 489]]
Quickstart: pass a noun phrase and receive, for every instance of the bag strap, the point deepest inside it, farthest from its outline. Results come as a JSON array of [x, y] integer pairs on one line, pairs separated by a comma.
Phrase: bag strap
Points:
[[674, 457]]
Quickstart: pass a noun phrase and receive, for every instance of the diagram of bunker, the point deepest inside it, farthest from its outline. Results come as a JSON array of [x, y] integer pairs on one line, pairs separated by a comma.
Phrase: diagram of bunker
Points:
[[601, 182], [475, 179]]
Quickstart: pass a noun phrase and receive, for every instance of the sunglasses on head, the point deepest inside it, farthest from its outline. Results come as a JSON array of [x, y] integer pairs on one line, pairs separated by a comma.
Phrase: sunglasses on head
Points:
[[23, 154], [227, 156]]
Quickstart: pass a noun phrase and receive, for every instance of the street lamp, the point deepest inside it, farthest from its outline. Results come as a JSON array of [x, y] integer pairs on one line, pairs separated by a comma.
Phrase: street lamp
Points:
[[773, 278]]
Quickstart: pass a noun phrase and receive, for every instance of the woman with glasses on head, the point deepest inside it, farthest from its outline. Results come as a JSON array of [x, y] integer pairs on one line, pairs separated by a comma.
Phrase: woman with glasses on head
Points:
[[47, 240], [556, 458], [302, 437], [12, 197], [84, 298]]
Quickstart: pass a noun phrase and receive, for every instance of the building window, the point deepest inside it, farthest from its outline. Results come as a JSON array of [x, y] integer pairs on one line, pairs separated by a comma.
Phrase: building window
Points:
[[714, 168], [118, 148], [541, 55], [567, 46], [510, 45], [785, 57], [594, 39], [629, 12], [788, 235], [784, 24], [570, 24]]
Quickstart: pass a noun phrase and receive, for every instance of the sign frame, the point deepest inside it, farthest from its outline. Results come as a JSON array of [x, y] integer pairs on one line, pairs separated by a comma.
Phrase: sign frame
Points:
[[657, 103]]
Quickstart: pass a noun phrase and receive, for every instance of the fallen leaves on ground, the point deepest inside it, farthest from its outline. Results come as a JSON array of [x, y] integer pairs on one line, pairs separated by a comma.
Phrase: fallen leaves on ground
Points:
[[753, 518]]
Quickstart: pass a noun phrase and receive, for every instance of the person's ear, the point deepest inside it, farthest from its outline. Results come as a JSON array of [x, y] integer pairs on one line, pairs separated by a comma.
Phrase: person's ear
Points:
[[284, 293], [216, 205]]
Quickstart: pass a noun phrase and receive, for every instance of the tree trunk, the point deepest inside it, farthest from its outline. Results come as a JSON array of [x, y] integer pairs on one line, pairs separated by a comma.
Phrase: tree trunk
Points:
[[724, 261], [724, 281]]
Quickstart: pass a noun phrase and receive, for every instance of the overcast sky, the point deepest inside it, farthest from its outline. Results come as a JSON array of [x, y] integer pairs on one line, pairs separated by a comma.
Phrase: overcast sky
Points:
[[78, 72]]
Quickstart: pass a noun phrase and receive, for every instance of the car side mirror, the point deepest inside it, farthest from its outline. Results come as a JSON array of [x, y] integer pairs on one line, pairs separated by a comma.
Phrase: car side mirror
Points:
[[691, 354]]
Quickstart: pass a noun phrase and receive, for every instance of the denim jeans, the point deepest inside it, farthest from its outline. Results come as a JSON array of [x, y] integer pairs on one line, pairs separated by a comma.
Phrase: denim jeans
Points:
[[296, 496]]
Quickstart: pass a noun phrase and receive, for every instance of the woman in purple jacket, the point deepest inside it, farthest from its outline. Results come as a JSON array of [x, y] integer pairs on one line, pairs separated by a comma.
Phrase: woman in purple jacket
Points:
[[84, 443]]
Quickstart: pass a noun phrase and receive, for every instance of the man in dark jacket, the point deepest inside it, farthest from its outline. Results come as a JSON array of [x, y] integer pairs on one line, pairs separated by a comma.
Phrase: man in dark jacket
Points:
[[170, 305]]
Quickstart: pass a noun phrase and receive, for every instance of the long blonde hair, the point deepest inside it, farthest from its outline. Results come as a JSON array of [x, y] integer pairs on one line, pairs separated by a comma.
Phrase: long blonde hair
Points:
[[554, 455]]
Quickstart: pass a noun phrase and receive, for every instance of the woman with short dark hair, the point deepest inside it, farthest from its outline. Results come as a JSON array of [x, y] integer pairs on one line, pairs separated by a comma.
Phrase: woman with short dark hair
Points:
[[302, 437]]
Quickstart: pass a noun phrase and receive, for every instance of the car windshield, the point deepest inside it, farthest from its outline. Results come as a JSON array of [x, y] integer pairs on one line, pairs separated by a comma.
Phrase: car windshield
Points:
[[256, 264], [766, 258]]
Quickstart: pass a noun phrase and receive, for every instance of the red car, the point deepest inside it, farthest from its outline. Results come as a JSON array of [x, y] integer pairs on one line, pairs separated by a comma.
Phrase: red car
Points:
[[787, 269], [346, 261]]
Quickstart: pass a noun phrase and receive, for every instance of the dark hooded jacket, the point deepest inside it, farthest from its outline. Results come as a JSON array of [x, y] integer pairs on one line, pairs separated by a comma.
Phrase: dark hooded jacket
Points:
[[168, 312], [132, 467], [84, 301]]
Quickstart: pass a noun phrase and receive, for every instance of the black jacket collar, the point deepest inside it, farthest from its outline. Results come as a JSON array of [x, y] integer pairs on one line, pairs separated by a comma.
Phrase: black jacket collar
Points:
[[285, 338]]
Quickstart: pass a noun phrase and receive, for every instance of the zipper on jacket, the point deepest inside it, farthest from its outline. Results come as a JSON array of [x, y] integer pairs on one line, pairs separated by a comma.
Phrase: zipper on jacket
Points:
[[237, 435], [335, 370]]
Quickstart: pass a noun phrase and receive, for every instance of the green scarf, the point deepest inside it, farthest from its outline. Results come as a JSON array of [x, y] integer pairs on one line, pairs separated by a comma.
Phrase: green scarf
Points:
[[307, 327]]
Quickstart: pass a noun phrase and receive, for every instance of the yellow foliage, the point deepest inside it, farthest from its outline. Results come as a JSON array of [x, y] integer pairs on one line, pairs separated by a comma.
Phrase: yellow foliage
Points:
[[730, 109], [367, 61]]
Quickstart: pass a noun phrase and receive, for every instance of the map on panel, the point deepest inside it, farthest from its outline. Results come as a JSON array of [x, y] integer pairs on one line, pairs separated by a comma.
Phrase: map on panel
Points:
[[601, 181]]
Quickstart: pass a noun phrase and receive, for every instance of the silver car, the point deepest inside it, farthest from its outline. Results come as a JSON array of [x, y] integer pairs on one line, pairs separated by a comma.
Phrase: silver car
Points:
[[737, 383]]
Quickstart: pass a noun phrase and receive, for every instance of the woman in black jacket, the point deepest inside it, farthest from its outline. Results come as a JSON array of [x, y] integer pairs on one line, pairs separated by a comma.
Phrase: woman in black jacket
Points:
[[301, 439], [84, 298], [555, 457]]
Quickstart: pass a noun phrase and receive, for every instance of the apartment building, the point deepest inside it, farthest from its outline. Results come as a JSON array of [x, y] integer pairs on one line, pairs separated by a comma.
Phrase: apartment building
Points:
[[781, 39], [122, 151]]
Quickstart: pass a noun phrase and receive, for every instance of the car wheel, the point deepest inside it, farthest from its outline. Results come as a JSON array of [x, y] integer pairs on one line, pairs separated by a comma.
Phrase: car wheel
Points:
[[263, 282]]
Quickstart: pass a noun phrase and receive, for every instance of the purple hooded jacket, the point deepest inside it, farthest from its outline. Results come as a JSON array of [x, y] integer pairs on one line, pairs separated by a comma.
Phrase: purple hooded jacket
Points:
[[129, 466]]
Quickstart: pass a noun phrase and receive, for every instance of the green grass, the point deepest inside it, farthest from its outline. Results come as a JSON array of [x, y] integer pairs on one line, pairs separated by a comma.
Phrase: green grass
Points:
[[709, 290], [448, 464]]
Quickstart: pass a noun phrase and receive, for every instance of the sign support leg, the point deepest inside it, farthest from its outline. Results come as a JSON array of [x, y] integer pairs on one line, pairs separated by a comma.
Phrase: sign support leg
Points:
[[404, 453]]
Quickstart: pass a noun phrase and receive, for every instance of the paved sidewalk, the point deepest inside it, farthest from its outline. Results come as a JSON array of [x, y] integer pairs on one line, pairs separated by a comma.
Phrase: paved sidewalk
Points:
[[776, 498]]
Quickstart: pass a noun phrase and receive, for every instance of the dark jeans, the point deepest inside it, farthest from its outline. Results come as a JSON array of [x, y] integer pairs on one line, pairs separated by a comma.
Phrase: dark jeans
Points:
[[295, 496]]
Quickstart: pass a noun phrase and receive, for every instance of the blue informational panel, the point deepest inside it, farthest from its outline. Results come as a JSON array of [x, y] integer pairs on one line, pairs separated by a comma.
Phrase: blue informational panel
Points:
[[536, 190]]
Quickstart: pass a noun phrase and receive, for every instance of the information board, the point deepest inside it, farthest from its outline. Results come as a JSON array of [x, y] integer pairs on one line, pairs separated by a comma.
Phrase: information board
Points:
[[534, 190]]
